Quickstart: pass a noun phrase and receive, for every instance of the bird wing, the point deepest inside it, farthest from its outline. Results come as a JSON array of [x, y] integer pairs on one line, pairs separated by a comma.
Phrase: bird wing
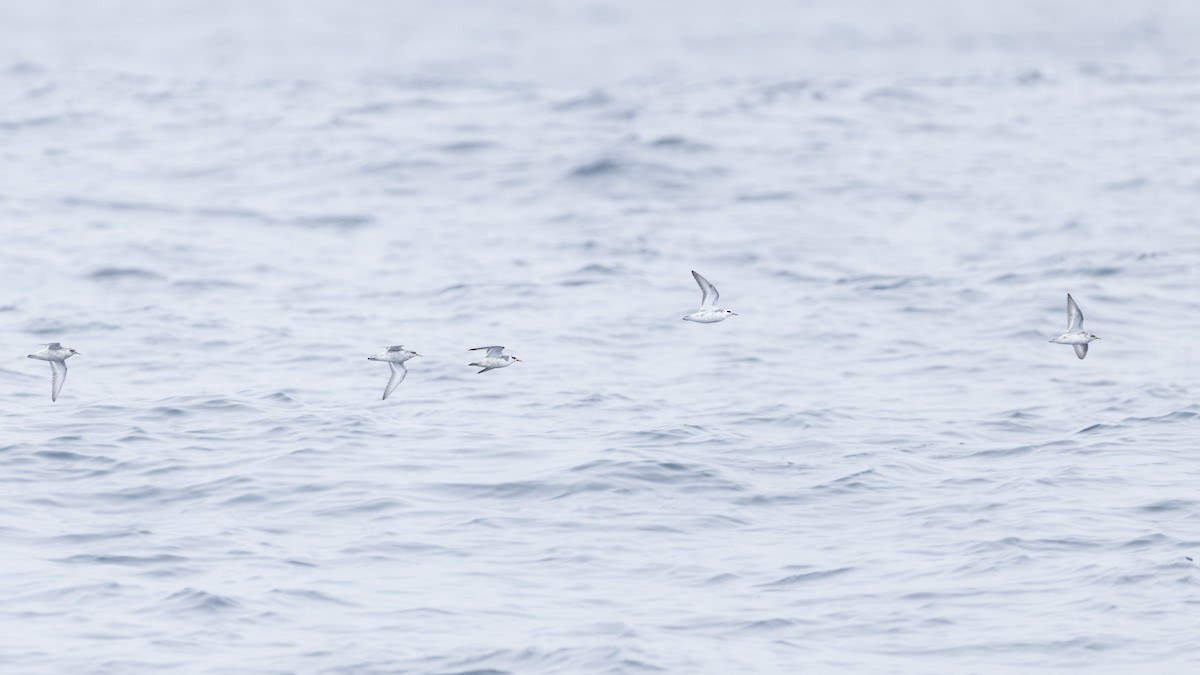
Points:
[[58, 375], [1074, 316], [1081, 350], [53, 346], [709, 300], [398, 374], [396, 348], [494, 351]]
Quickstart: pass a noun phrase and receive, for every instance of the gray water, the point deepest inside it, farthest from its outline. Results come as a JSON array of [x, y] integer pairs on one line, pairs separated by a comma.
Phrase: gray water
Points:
[[880, 465]]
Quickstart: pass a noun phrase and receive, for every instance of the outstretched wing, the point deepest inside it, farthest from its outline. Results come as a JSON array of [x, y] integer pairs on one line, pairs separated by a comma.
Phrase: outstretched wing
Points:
[[1074, 317], [58, 375], [709, 300], [1081, 350], [494, 351], [398, 374]]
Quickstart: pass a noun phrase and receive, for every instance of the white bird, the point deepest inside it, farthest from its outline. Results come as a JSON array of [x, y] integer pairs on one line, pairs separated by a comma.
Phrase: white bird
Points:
[[57, 355], [708, 313], [1075, 335], [395, 356], [496, 358]]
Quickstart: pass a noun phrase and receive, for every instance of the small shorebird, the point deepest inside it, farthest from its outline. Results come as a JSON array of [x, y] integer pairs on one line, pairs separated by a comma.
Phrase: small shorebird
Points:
[[395, 356], [708, 312], [57, 355], [496, 358], [1075, 336]]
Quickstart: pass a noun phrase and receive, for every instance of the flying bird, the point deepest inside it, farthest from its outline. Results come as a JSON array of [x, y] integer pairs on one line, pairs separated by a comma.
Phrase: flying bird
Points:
[[1075, 336], [708, 312], [496, 358], [395, 356], [57, 355]]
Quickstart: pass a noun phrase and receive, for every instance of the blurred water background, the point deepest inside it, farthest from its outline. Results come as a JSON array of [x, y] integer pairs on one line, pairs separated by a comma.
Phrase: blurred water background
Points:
[[880, 465]]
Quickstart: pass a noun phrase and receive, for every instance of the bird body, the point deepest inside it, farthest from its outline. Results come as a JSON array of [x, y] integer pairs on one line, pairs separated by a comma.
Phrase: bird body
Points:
[[394, 356], [1075, 336], [57, 356], [708, 312], [708, 316], [495, 358]]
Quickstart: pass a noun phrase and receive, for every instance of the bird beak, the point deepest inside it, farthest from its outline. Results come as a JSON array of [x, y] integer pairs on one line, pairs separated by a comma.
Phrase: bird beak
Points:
[[734, 313], [516, 359], [416, 354]]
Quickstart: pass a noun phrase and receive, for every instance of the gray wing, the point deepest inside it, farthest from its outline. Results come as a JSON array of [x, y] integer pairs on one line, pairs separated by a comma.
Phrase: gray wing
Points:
[[494, 351], [58, 375], [709, 300], [1080, 350], [1074, 316], [399, 372]]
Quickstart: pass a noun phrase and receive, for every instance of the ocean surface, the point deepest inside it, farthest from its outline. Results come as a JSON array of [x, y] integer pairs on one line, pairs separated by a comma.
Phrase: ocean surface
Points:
[[880, 465]]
